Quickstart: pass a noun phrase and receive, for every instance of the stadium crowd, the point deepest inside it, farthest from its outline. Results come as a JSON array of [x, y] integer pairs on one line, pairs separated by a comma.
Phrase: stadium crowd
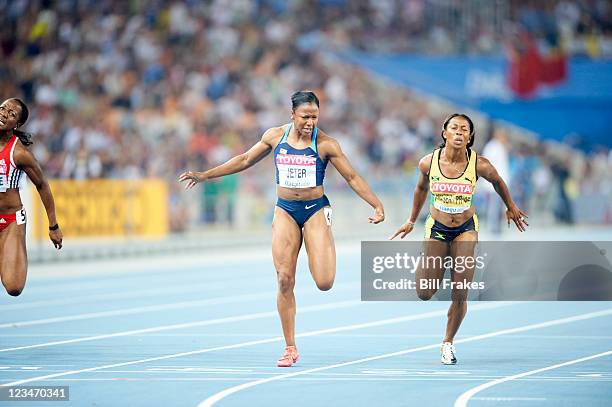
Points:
[[148, 88]]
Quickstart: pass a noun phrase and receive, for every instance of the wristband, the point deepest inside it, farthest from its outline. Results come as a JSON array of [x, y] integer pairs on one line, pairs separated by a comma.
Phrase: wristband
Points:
[[54, 227]]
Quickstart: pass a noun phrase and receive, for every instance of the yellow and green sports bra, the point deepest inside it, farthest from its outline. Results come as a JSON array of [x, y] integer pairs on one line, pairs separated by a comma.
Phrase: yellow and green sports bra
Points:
[[452, 195]]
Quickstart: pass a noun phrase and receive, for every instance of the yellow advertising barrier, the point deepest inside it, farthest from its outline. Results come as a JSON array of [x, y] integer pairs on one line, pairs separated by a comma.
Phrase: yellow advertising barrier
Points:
[[98, 208]]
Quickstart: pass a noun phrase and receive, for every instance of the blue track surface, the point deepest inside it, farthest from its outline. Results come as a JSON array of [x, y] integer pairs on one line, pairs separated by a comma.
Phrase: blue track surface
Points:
[[183, 335]]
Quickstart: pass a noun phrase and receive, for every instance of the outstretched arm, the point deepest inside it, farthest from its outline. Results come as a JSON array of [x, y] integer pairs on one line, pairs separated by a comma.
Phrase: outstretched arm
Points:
[[236, 164], [358, 184], [418, 199], [25, 160], [513, 212]]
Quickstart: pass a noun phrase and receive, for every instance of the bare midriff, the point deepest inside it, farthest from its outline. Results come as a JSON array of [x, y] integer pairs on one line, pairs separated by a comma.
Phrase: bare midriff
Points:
[[299, 194], [10, 201], [451, 220]]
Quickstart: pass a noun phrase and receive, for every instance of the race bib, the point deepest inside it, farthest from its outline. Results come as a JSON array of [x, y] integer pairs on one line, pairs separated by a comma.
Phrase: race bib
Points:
[[452, 198], [296, 171], [327, 212], [20, 216]]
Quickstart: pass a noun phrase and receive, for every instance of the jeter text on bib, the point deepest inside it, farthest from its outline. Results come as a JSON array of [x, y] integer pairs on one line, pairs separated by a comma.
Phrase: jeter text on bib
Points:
[[296, 171]]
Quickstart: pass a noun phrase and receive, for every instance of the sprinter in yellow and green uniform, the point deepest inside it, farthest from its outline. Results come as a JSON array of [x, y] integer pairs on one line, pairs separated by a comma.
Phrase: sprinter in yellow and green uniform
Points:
[[448, 175], [453, 195]]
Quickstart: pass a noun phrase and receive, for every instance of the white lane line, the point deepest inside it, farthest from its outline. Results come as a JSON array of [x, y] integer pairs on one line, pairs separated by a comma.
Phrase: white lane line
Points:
[[322, 376], [510, 398], [154, 308], [115, 267], [97, 284], [462, 401], [141, 310], [208, 322], [425, 315], [164, 290], [148, 378], [128, 280], [222, 394]]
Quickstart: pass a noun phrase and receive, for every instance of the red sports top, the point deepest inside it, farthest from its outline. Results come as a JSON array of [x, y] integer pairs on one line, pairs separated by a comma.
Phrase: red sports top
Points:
[[10, 175]]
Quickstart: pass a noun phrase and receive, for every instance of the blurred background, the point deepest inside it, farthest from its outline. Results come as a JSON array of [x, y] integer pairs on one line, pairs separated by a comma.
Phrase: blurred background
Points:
[[126, 95]]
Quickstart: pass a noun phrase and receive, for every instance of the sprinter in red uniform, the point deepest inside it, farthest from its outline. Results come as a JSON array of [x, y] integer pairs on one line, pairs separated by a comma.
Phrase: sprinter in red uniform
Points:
[[15, 159]]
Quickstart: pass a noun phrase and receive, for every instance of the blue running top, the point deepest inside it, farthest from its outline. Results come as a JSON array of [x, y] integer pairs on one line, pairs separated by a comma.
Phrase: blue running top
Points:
[[298, 167]]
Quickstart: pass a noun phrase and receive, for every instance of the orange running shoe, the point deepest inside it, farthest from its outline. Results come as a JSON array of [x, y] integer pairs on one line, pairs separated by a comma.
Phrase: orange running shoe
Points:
[[290, 356]]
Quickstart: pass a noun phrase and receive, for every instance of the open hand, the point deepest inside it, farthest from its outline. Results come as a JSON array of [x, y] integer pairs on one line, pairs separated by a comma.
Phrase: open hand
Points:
[[518, 217], [192, 177]]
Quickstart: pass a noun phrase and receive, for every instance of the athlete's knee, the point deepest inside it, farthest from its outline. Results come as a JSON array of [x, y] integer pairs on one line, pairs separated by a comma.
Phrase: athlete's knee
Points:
[[425, 295], [14, 290], [13, 286], [325, 284], [286, 282], [459, 297]]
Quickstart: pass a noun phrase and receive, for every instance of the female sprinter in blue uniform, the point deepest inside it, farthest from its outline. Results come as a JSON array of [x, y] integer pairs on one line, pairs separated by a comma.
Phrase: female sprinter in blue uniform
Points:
[[449, 174], [301, 153]]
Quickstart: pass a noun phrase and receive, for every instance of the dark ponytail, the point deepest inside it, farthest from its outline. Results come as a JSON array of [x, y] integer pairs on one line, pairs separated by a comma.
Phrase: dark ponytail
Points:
[[24, 137]]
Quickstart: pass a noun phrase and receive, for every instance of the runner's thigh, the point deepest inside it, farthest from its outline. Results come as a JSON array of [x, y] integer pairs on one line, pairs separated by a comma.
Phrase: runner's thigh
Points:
[[286, 242], [321, 250]]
